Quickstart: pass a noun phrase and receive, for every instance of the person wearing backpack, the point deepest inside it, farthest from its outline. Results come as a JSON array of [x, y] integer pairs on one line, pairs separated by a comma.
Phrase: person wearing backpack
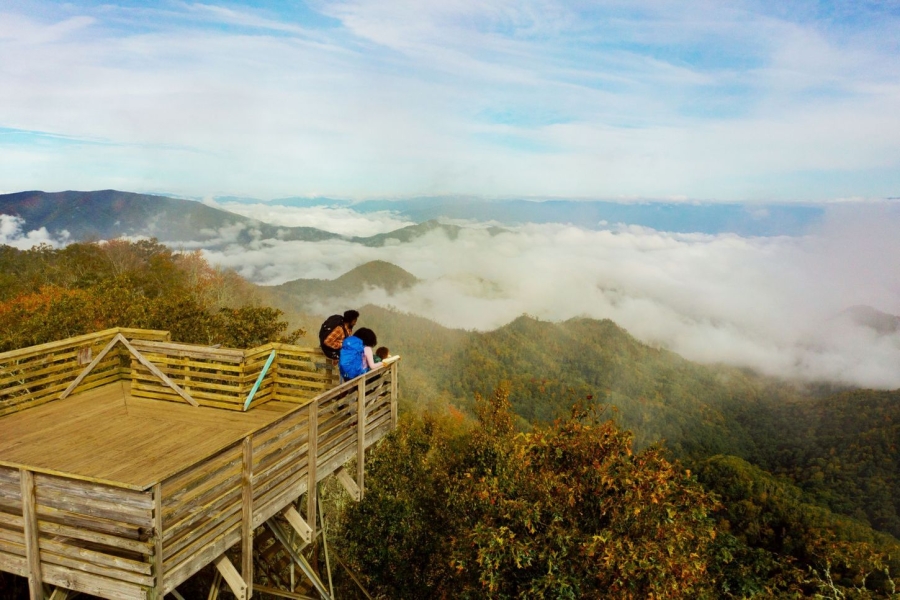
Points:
[[334, 330], [356, 354]]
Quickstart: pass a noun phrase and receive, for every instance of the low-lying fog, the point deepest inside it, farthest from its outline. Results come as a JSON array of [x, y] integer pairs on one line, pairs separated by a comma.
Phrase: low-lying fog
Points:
[[773, 304]]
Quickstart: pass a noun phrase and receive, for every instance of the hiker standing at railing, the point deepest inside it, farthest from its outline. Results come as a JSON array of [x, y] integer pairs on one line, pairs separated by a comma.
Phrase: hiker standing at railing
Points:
[[333, 332]]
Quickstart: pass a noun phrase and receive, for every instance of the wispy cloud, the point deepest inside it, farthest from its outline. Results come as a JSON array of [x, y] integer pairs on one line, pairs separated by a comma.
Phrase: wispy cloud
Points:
[[717, 100]]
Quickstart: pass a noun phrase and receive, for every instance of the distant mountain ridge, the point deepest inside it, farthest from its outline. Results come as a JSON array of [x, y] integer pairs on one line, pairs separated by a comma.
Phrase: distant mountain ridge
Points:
[[109, 214]]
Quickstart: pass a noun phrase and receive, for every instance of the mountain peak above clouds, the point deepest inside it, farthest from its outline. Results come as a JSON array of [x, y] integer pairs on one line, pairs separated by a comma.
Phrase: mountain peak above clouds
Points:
[[866, 316], [374, 274], [108, 214]]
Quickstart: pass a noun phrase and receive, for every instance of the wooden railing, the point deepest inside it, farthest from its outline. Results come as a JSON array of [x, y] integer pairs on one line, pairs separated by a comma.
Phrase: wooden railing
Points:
[[33, 376], [115, 541], [224, 378], [78, 535], [213, 504]]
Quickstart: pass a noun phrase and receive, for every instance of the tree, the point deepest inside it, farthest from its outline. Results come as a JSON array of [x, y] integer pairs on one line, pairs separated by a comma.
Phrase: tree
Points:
[[565, 511]]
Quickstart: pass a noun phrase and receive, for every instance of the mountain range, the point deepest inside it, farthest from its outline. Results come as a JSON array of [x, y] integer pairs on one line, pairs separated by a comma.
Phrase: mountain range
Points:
[[108, 214]]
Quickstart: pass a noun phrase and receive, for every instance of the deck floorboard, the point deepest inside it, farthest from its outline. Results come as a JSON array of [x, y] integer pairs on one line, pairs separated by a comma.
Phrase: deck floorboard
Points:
[[106, 434]]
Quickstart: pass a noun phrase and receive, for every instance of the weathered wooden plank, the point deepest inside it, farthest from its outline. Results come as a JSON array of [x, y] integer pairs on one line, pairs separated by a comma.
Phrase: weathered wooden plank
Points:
[[90, 583], [87, 535], [247, 516], [120, 496], [210, 527], [17, 565], [49, 347], [202, 557], [96, 508], [225, 355], [68, 556], [311, 467], [159, 570], [32, 549], [90, 523], [190, 520], [224, 526]]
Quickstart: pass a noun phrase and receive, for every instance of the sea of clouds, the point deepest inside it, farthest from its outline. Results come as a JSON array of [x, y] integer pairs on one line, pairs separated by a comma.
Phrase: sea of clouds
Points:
[[774, 304]]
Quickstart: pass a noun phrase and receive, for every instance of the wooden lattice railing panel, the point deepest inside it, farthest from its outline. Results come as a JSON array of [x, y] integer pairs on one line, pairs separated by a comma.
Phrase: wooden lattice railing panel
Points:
[[33, 376]]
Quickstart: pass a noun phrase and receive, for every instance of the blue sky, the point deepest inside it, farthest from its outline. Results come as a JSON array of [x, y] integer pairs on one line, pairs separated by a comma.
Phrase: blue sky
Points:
[[710, 101]]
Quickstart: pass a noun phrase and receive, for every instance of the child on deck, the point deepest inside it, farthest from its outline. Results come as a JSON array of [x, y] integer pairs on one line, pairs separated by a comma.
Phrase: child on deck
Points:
[[381, 354]]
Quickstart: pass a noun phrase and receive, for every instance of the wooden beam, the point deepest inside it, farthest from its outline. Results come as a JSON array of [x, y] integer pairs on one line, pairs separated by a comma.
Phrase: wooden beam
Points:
[[215, 587], [158, 570], [32, 547], [162, 376], [394, 394], [247, 514], [312, 450], [344, 477], [232, 577], [361, 435], [84, 373], [298, 523]]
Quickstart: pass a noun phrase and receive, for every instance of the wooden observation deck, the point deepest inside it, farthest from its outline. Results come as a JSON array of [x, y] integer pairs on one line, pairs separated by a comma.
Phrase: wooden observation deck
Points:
[[128, 462]]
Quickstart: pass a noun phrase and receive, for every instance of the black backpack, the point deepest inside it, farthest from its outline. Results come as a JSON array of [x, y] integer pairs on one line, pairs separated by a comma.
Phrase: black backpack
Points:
[[330, 324]]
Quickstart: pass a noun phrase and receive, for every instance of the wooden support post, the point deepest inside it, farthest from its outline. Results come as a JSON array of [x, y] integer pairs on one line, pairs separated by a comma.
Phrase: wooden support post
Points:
[[347, 481], [215, 587], [297, 523], [247, 516], [32, 548], [361, 435], [394, 391], [158, 543], [312, 450], [232, 577]]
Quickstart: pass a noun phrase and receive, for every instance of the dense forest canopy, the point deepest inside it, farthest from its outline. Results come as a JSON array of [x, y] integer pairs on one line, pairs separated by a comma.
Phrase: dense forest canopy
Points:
[[667, 479], [48, 294]]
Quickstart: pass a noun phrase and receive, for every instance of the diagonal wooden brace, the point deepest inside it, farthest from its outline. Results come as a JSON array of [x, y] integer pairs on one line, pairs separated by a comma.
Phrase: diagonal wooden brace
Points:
[[120, 339], [232, 577], [349, 484], [297, 523]]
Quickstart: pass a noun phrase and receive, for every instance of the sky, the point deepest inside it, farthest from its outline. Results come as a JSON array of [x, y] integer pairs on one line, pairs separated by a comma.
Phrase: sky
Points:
[[739, 101]]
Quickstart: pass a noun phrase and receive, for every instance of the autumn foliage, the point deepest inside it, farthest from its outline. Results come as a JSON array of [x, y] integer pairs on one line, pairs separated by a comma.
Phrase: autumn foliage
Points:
[[50, 294], [564, 511]]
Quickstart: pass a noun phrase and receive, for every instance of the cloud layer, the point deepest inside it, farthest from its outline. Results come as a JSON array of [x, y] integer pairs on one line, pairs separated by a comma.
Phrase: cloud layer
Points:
[[773, 304]]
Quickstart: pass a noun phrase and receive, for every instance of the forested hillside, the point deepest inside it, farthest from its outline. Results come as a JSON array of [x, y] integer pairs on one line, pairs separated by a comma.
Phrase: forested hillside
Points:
[[48, 294], [843, 450]]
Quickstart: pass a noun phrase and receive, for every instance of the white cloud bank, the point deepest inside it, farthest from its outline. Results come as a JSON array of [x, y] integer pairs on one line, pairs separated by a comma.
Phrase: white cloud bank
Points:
[[343, 221], [13, 233], [765, 303]]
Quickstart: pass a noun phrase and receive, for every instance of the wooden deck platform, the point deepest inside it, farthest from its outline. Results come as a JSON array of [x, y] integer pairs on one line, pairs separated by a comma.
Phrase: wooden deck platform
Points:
[[128, 462], [106, 435]]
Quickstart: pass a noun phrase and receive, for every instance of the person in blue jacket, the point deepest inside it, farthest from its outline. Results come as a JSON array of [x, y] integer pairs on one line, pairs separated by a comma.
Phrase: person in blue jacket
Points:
[[356, 354]]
